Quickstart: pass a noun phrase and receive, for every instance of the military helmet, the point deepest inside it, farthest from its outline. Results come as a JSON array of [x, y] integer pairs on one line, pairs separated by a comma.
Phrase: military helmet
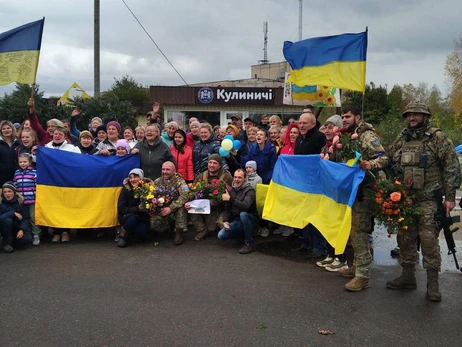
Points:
[[416, 107]]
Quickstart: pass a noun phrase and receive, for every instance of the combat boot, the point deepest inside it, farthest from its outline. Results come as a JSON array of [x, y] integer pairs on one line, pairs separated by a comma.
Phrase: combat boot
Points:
[[178, 240], [348, 272], [433, 291], [201, 235], [405, 281], [357, 284]]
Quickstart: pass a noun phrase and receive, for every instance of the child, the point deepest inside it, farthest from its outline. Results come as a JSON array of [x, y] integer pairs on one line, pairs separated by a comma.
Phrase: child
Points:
[[123, 148], [13, 224], [25, 178], [252, 176]]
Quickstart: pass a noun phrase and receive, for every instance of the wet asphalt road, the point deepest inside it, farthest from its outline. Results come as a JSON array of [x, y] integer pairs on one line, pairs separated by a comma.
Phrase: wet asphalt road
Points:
[[89, 293]]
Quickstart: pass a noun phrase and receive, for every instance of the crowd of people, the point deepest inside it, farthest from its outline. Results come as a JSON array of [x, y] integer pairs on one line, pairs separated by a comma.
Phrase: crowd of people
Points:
[[175, 159]]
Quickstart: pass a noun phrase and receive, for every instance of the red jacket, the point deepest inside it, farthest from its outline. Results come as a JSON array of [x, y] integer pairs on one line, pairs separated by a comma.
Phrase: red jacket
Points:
[[43, 136], [184, 162], [190, 140]]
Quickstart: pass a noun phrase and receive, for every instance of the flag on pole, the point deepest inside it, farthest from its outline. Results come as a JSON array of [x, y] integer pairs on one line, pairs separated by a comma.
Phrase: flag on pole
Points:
[[78, 190], [19, 53], [307, 189], [335, 61], [74, 91]]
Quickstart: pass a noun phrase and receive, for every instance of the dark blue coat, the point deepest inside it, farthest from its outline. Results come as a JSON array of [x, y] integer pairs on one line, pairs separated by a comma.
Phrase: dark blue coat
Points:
[[266, 159], [9, 207], [202, 151]]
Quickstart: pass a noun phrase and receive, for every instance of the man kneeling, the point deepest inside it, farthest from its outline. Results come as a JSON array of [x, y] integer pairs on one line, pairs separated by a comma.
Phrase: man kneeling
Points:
[[239, 215], [172, 186]]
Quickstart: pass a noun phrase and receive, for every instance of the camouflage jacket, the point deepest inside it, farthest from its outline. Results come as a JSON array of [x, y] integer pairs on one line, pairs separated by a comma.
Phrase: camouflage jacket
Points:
[[429, 150], [176, 187], [370, 147]]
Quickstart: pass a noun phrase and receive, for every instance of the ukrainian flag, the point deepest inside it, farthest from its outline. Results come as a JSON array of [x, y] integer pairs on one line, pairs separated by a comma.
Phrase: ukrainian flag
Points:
[[335, 61], [307, 189], [78, 190], [19, 53]]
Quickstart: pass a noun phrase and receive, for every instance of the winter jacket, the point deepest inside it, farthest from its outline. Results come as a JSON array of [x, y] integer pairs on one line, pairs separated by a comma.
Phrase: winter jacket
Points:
[[106, 144], [184, 163], [26, 184], [253, 179], [8, 160], [311, 143], [9, 207], [266, 159], [87, 150], [191, 140], [202, 151], [167, 139], [128, 205], [64, 147], [43, 136], [242, 200], [152, 157]]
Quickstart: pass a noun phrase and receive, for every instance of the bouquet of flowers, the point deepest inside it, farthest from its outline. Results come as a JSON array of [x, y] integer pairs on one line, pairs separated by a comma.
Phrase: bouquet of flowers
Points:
[[392, 204], [144, 192], [163, 197], [348, 145], [212, 190]]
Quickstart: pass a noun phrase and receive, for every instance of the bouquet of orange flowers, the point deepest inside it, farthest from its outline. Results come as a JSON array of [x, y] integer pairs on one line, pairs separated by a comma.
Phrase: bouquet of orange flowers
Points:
[[392, 204], [212, 190]]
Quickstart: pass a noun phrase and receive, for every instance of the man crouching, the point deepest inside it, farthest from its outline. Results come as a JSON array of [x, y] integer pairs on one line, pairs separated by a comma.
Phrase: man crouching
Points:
[[172, 185], [239, 215]]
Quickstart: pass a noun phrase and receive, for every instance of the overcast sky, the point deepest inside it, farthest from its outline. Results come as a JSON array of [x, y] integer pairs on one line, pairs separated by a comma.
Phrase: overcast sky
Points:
[[210, 40]]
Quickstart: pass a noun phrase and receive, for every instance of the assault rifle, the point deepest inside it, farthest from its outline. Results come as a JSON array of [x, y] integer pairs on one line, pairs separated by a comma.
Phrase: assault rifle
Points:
[[444, 222]]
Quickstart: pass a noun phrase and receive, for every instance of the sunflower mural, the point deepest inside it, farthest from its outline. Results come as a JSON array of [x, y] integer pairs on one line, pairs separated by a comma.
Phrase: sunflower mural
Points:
[[318, 96]]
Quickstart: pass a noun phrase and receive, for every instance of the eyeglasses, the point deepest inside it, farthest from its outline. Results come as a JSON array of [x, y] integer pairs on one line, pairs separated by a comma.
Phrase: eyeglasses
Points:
[[151, 131]]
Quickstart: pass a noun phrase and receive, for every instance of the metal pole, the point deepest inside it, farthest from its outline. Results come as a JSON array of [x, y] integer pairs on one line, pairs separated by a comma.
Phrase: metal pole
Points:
[[96, 49], [300, 20]]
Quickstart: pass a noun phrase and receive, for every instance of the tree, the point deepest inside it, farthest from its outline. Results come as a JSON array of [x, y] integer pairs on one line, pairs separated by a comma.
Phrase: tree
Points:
[[108, 107], [453, 68], [129, 89], [13, 107]]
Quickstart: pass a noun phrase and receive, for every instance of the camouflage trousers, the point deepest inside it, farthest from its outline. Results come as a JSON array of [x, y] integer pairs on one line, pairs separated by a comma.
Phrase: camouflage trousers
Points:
[[161, 224], [207, 222], [361, 227], [426, 228]]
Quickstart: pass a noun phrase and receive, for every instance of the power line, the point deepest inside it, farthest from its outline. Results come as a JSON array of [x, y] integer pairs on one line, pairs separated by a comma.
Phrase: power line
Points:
[[154, 42]]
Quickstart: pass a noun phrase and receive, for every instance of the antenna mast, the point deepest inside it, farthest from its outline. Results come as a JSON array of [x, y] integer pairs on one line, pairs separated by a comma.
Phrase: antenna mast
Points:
[[300, 20], [265, 44]]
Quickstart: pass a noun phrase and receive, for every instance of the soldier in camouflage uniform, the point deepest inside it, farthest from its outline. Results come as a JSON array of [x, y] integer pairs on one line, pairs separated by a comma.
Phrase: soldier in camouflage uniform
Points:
[[425, 160], [175, 184], [373, 160], [203, 223]]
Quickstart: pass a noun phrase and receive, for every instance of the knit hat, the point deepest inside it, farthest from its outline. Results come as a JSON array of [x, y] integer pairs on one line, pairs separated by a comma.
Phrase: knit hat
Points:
[[235, 128], [138, 172], [102, 127], [17, 125], [252, 164], [215, 157], [336, 120], [114, 124], [123, 143], [10, 185], [85, 133], [194, 124]]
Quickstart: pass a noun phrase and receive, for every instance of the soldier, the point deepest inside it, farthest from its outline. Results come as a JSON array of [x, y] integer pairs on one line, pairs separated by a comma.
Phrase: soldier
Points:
[[373, 160], [174, 185], [426, 161], [203, 224]]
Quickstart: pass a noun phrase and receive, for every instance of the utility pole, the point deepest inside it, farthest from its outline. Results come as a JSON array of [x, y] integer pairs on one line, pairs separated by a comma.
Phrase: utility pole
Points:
[[300, 20], [96, 49]]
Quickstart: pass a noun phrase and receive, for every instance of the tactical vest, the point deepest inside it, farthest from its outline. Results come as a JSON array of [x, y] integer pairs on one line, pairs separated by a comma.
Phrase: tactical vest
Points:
[[420, 165]]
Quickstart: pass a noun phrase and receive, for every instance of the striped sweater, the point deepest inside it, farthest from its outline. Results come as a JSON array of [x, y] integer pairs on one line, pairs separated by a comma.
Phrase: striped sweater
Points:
[[25, 182]]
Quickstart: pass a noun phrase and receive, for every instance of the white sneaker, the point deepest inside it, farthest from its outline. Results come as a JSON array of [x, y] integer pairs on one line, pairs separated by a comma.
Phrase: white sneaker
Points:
[[287, 231], [325, 262], [36, 240], [335, 266]]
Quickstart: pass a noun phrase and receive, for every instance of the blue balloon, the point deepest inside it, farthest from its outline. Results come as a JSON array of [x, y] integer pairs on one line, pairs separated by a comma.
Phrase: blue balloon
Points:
[[223, 152], [237, 145], [229, 137]]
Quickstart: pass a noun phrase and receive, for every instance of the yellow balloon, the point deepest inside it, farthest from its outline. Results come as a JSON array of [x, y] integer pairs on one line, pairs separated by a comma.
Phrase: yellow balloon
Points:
[[227, 144]]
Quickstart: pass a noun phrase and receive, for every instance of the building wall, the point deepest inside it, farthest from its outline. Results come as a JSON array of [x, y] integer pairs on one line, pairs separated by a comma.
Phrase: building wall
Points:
[[273, 71]]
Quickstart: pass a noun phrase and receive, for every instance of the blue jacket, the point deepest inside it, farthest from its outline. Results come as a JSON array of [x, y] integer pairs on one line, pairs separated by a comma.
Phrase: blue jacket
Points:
[[266, 159], [8, 208], [202, 151]]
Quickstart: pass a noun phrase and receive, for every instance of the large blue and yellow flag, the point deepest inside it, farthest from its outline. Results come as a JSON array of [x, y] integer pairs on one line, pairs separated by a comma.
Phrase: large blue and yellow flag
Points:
[[307, 189], [78, 190], [19, 53], [335, 61]]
